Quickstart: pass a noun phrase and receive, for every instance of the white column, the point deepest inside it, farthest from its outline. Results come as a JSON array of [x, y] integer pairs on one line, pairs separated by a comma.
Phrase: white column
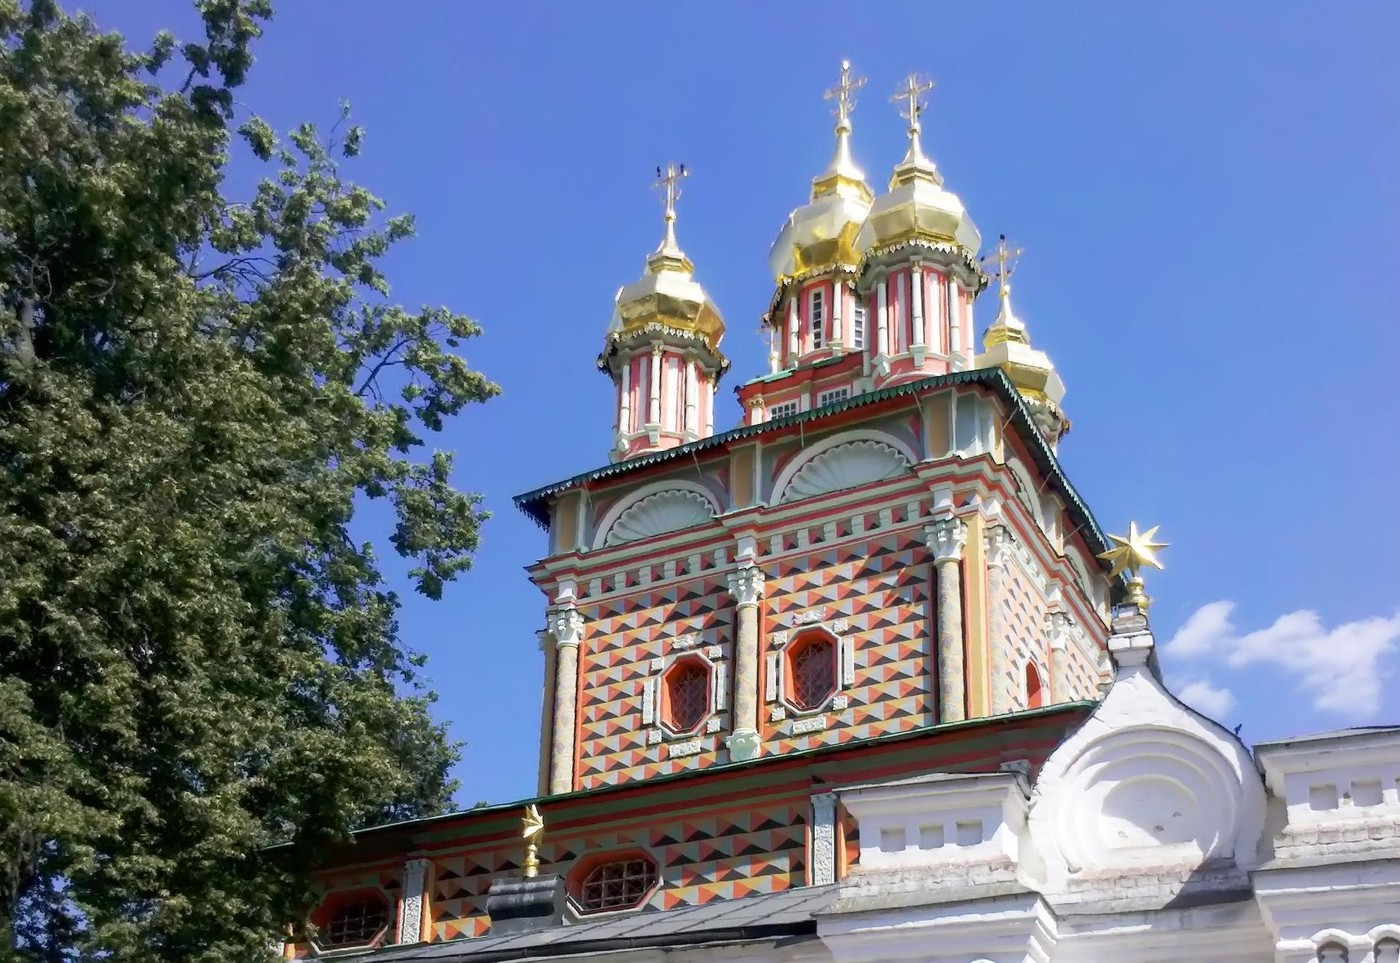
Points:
[[955, 341], [657, 372], [774, 363], [898, 339], [566, 625], [916, 305], [624, 405], [823, 838], [1059, 659], [838, 294], [746, 585], [1003, 669], [946, 539], [690, 396], [793, 346], [411, 900], [882, 319]]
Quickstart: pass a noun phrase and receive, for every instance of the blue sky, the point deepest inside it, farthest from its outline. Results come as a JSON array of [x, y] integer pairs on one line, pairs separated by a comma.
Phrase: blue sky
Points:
[[1208, 198]]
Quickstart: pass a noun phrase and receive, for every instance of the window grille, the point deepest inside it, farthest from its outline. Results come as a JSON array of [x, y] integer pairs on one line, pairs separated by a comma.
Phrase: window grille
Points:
[[688, 695], [833, 395], [355, 923], [858, 326], [813, 673], [618, 885], [783, 410]]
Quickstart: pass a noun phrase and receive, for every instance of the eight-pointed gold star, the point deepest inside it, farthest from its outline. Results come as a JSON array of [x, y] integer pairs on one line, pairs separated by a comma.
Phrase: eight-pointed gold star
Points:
[[1133, 551]]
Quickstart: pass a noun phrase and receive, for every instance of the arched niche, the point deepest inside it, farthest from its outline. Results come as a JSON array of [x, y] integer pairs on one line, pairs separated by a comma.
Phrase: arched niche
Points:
[[658, 509], [847, 460]]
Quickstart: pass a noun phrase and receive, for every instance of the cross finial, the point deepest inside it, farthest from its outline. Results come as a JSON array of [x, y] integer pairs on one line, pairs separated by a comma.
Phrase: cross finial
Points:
[[844, 93], [912, 91], [669, 180], [1005, 259]]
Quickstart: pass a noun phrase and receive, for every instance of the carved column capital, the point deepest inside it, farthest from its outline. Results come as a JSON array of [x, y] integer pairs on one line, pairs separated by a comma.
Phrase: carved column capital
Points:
[[746, 584], [946, 538], [1000, 542], [1057, 627], [566, 625]]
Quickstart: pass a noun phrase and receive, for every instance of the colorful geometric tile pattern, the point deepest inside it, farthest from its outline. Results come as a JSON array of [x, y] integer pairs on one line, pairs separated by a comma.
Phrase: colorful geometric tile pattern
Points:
[[1027, 638], [623, 635], [882, 588], [713, 856]]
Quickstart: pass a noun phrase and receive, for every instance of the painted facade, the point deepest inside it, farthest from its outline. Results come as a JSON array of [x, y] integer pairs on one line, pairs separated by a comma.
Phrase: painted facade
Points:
[[851, 682]]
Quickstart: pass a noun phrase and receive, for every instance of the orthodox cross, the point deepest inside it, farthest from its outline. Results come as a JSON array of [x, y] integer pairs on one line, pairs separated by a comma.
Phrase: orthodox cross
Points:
[[913, 89], [844, 92], [1005, 259], [670, 181]]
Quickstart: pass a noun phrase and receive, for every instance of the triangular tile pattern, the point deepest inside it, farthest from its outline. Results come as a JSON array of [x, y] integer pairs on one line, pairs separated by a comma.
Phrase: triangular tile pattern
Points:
[[717, 855], [1025, 611], [621, 637], [882, 588]]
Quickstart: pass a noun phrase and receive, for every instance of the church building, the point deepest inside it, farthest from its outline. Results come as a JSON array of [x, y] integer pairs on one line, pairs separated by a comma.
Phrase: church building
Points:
[[860, 678]]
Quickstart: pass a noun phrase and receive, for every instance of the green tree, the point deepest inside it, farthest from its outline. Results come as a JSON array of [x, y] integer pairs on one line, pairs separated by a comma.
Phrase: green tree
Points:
[[197, 660]]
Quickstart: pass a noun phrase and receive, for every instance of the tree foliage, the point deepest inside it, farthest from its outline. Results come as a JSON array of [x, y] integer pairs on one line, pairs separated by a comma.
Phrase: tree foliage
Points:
[[197, 659]]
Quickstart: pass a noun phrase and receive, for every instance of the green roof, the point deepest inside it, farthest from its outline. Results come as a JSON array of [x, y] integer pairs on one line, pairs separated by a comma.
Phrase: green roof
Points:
[[536, 503]]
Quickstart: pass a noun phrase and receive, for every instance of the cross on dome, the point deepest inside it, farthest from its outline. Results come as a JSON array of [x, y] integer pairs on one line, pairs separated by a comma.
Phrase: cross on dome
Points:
[[914, 165], [844, 93], [1005, 259], [669, 254], [912, 90]]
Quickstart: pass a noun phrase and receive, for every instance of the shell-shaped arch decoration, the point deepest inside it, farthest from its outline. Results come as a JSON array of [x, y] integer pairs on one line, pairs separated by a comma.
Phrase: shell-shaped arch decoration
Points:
[[667, 511], [842, 466]]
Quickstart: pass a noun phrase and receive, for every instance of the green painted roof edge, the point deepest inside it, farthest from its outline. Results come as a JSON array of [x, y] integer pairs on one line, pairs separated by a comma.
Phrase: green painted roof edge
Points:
[[533, 503]]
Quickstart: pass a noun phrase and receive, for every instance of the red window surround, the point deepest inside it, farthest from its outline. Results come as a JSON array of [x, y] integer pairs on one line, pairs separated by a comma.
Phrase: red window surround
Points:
[[612, 883], [687, 694], [811, 665]]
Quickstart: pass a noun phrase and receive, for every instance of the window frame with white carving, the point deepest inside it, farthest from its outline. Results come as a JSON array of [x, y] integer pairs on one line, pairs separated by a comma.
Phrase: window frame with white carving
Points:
[[779, 684]]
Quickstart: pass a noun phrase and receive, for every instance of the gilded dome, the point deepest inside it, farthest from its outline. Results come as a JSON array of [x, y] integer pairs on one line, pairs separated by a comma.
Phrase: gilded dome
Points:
[[823, 232], [917, 206]]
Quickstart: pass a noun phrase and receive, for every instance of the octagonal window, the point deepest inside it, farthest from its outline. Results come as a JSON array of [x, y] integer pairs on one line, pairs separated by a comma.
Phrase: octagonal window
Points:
[[687, 695], [811, 671], [617, 885]]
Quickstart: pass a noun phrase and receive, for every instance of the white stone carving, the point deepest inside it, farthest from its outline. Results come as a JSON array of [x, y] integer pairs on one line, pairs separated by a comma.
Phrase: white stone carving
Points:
[[415, 874], [1146, 781], [838, 626], [843, 466], [690, 747], [999, 545], [771, 687], [840, 701], [746, 584], [810, 617], [653, 737], [657, 664], [566, 625], [712, 724], [777, 714], [823, 839], [688, 641], [743, 744], [667, 511], [848, 660], [810, 724], [714, 653], [780, 638], [946, 538], [649, 700], [720, 701]]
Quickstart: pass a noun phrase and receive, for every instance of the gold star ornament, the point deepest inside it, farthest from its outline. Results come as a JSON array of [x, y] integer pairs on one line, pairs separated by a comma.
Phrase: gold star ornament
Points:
[[532, 828], [1134, 551]]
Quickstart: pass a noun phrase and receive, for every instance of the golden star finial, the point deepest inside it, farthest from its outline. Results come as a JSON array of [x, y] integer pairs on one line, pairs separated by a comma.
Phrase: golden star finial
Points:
[[532, 828], [1134, 551]]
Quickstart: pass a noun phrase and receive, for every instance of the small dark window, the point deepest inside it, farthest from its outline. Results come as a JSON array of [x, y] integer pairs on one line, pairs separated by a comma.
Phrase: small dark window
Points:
[[687, 695], [1035, 688], [813, 662], [355, 923], [618, 885]]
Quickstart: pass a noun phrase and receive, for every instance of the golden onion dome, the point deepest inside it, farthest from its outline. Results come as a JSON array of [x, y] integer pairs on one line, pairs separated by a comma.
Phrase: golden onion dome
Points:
[[666, 299], [917, 206], [823, 232], [1007, 344]]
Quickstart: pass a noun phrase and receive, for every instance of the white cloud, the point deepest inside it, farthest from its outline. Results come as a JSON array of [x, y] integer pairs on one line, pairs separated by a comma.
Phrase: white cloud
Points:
[[1207, 699], [1339, 669]]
